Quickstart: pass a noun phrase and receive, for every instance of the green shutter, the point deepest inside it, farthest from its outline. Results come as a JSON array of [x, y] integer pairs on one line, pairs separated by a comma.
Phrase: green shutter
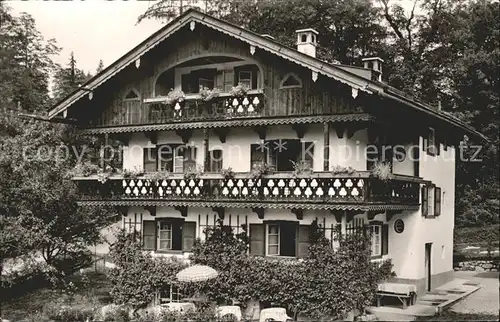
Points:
[[149, 234], [258, 239], [437, 201], [425, 200], [303, 241], [188, 235], [385, 239]]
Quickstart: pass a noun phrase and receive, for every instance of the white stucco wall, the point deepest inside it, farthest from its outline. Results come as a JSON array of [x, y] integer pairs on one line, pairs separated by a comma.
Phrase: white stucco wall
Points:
[[236, 150], [407, 249]]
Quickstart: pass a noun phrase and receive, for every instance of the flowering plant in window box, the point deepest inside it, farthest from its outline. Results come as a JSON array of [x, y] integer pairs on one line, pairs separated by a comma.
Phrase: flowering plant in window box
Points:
[[239, 90], [382, 170], [174, 96], [158, 175], [227, 173], [259, 169], [104, 174], [338, 169], [208, 94], [132, 174], [301, 167], [192, 171]]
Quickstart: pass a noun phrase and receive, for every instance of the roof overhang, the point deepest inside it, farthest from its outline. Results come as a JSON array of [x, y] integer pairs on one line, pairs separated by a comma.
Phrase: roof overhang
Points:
[[192, 17]]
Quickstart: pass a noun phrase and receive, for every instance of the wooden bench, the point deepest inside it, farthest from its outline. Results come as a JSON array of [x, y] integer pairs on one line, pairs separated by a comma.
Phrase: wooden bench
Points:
[[405, 293]]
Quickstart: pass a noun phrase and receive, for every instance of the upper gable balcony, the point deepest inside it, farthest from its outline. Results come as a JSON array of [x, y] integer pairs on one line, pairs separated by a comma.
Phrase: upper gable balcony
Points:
[[212, 88]]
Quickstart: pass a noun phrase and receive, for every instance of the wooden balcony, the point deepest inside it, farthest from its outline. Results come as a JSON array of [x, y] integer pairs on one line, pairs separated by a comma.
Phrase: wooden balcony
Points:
[[322, 187], [193, 108]]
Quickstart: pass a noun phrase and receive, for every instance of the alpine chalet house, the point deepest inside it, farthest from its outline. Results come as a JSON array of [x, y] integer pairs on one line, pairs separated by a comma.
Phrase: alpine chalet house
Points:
[[220, 122]]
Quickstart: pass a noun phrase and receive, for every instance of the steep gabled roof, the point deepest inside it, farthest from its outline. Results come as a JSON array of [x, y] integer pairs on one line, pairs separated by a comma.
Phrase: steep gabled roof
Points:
[[264, 43]]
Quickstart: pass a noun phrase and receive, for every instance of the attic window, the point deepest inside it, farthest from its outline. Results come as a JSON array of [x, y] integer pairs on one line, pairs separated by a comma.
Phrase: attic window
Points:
[[291, 80], [132, 95]]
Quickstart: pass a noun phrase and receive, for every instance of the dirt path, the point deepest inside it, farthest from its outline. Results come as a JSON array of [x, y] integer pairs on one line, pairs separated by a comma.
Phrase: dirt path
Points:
[[486, 299]]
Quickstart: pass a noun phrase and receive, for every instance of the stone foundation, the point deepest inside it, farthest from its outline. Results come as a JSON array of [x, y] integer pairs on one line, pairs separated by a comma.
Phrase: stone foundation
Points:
[[479, 266]]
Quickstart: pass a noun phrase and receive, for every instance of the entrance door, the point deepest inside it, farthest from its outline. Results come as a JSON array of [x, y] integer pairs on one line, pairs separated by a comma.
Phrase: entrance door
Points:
[[428, 252]]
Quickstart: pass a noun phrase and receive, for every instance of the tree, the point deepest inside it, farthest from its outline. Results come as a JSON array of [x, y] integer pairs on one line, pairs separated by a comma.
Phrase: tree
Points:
[[100, 67], [38, 210], [68, 79], [27, 60]]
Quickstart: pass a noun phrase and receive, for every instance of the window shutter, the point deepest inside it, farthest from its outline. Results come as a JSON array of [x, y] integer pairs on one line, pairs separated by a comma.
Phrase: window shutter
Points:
[[303, 241], [288, 239], [385, 239], [177, 225], [425, 201], [437, 201], [149, 234], [258, 239], [188, 235], [150, 157]]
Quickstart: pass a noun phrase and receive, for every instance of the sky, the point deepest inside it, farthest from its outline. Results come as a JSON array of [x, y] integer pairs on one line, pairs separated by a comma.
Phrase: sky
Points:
[[95, 29], [92, 29]]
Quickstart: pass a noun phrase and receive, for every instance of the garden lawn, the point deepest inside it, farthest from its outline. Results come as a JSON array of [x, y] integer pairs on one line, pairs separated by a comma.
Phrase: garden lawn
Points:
[[87, 290]]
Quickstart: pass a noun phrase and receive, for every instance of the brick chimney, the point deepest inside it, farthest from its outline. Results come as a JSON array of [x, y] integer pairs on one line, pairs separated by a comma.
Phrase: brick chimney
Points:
[[307, 41], [375, 64]]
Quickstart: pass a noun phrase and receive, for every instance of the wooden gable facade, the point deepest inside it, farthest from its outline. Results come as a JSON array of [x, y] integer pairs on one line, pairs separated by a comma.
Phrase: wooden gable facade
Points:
[[284, 88]]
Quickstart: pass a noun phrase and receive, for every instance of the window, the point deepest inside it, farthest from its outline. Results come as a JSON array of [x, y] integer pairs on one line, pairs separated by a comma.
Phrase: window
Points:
[[176, 158], [164, 236], [273, 240], [192, 82], [282, 154], [431, 201], [376, 240], [169, 294], [431, 142], [379, 234], [150, 159], [281, 239], [215, 160], [291, 80], [168, 234], [303, 38], [245, 78], [247, 75]]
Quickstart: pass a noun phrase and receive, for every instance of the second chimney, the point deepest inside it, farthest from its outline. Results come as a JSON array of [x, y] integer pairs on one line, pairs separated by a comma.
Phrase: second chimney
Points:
[[307, 41], [375, 64]]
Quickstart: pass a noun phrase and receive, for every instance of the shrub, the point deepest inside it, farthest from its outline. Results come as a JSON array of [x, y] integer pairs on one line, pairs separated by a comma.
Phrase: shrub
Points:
[[328, 283], [68, 313], [137, 275]]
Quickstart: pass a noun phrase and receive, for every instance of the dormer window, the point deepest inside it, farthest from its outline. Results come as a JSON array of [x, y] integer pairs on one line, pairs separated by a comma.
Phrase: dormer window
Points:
[[291, 80], [304, 38]]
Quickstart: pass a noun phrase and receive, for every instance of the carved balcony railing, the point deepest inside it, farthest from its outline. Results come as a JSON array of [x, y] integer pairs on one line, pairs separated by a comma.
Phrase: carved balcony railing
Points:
[[279, 187], [193, 108]]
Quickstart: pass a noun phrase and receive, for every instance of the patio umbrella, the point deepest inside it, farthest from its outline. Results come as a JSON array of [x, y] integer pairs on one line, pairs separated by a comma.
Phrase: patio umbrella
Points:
[[196, 273]]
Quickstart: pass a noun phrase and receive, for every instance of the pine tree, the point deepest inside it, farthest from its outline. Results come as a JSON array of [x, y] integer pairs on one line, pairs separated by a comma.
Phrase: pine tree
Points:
[[100, 67], [68, 79]]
